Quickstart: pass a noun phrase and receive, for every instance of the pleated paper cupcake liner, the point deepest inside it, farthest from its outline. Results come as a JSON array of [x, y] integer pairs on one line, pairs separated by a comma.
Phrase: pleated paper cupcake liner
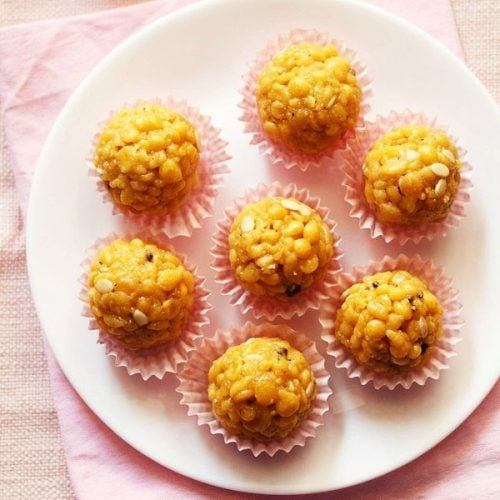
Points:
[[193, 385], [352, 158], [264, 306], [198, 205], [442, 351], [158, 360], [278, 154]]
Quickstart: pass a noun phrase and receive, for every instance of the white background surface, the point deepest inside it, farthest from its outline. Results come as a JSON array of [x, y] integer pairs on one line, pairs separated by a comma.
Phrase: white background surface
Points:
[[382, 430]]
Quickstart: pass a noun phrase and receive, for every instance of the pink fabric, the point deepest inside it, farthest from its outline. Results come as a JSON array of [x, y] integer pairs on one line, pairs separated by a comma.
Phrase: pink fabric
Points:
[[40, 66]]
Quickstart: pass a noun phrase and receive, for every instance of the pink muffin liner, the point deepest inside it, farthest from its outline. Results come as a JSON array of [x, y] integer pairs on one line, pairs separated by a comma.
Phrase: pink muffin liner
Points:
[[155, 361], [263, 306], [199, 203], [352, 158], [193, 384], [278, 154], [444, 348]]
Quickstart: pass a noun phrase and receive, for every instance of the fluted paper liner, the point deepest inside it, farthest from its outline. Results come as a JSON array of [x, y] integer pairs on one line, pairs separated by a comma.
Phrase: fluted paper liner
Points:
[[352, 158], [264, 306], [193, 384], [443, 349], [199, 203], [158, 360], [277, 153]]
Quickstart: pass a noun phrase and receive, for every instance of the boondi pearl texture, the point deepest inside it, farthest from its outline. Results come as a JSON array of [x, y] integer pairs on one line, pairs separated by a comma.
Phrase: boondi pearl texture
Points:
[[411, 175], [139, 293], [278, 247], [389, 321], [262, 389], [308, 97], [147, 157]]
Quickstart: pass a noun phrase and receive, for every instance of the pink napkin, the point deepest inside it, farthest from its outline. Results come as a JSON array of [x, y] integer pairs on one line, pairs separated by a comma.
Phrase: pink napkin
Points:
[[40, 66]]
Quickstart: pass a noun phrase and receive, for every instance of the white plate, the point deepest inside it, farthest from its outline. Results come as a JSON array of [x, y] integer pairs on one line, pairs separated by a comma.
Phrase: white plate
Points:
[[200, 54]]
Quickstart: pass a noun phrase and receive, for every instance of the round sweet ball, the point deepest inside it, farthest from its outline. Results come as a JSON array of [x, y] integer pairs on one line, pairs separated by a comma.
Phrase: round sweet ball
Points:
[[411, 175], [139, 293], [389, 321], [308, 97], [278, 247], [262, 389], [147, 157]]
